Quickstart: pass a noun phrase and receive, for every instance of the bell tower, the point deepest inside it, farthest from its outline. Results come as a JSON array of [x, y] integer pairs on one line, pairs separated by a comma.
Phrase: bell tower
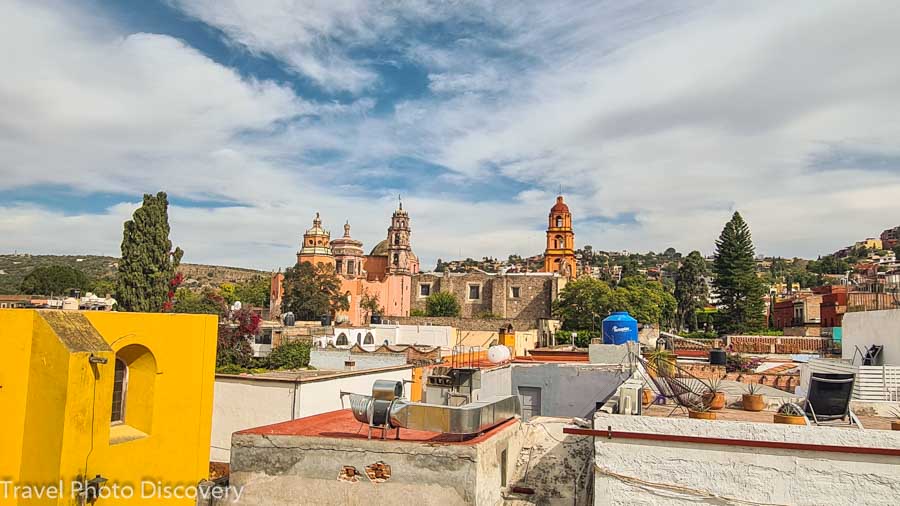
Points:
[[559, 256], [399, 249]]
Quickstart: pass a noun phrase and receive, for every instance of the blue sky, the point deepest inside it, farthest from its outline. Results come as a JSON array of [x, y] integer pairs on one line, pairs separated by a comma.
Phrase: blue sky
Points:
[[656, 119]]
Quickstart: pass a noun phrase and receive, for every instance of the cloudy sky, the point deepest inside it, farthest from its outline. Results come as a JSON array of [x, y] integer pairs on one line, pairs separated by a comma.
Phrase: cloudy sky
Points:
[[657, 120]]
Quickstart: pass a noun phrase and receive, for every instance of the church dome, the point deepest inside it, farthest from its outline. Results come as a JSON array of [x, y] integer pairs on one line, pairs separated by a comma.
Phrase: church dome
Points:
[[380, 249], [560, 206]]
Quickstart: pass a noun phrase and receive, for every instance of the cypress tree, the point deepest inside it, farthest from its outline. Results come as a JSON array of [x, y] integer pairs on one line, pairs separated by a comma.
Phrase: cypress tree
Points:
[[148, 262], [739, 289]]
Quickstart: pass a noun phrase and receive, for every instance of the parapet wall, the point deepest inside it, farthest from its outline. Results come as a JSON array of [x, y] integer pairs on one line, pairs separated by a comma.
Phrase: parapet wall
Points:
[[637, 471], [491, 324]]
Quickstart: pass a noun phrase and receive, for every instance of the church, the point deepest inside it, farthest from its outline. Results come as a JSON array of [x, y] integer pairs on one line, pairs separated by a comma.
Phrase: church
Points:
[[390, 272], [386, 272]]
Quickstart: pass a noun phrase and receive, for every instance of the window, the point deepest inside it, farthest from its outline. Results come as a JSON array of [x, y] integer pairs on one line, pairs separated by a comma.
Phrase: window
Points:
[[338, 264], [559, 242], [474, 292], [424, 289], [351, 267], [120, 389], [396, 259], [264, 337], [397, 239], [514, 292], [370, 339], [342, 340], [359, 338], [559, 221]]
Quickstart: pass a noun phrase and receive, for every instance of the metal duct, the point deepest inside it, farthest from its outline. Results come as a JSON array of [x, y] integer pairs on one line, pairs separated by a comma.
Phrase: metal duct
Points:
[[467, 419]]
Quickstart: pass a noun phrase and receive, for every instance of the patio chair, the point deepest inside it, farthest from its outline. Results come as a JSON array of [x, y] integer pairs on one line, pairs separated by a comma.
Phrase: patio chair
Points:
[[828, 399], [676, 384], [870, 357]]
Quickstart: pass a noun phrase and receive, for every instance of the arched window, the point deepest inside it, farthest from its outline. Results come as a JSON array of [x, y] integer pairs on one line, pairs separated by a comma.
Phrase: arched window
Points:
[[342, 340], [396, 259], [120, 390], [359, 338], [558, 242], [370, 339], [351, 267], [559, 221], [397, 239], [134, 379]]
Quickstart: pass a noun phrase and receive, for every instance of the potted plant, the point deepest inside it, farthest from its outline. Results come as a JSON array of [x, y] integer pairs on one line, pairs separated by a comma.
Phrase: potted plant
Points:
[[715, 398], [647, 396], [752, 400], [701, 412], [661, 360], [791, 414]]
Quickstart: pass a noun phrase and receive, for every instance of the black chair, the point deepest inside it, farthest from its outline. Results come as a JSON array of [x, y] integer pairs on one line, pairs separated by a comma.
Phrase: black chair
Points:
[[829, 398], [675, 384]]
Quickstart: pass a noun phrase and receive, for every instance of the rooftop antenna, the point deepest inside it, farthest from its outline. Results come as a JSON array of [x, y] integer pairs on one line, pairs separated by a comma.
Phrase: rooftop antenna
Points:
[[400, 200]]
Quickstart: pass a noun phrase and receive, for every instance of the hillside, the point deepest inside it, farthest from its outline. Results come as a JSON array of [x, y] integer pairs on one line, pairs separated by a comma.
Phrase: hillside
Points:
[[14, 268]]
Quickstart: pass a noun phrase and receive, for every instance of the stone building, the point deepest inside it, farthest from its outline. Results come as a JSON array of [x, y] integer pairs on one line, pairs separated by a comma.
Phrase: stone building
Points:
[[384, 273], [527, 296]]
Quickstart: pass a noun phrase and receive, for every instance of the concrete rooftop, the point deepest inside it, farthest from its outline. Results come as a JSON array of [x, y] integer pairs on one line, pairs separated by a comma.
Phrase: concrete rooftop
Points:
[[342, 425], [739, 415]]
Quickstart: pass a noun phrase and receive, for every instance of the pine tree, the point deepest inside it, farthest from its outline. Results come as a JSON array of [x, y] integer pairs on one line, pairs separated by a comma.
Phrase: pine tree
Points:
[[690, 289], [148, 262], [740, 290]]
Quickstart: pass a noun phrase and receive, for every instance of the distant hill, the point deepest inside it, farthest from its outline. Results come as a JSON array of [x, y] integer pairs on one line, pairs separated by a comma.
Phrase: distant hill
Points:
[[14, 268]]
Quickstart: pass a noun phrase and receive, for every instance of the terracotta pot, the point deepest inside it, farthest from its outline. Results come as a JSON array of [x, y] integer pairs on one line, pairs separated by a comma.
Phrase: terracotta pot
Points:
[[646, 396], [715, 400], [702, 415], [754, 402], [790, 419], [895, 425]]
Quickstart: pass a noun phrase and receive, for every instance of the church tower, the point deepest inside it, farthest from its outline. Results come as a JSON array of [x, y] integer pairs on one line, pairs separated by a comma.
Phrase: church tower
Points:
[[401, 259], [560, 253], [316, 245]]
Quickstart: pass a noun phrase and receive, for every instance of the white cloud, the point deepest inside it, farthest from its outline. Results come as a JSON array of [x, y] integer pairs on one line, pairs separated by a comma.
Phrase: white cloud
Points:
[[675, 117]]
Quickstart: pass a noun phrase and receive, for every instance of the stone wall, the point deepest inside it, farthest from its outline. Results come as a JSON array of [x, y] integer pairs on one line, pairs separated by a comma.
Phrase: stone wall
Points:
[[536, 293]]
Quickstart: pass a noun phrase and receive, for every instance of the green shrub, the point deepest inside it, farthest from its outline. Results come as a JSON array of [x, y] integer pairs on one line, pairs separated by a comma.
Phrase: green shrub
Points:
[[290, 355], [416, 312], [441, 304]]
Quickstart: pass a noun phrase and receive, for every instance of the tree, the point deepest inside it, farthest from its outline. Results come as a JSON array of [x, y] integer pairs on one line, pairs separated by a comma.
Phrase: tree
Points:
[[690, 290], [235, 333], [370, 304], [104, 287], [227, 290], [54, 280], [583, 303], [253, 292], [209, 301], [441, 304], [311, 292], [148, 262], [739, 289]]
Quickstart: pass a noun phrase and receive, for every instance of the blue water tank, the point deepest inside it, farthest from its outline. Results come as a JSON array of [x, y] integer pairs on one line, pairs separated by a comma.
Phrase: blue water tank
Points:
[[619, 328]]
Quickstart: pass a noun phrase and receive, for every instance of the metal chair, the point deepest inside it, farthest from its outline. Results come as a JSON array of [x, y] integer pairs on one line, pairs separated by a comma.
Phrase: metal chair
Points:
[[829, 397], [674, 383]]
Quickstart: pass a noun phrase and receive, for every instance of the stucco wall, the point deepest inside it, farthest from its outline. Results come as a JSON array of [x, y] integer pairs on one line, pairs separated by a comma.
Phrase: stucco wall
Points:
[[332, 359], [246, 402], [762, 475], [566, 389], [287, 470], [866, 328], [536, 293]]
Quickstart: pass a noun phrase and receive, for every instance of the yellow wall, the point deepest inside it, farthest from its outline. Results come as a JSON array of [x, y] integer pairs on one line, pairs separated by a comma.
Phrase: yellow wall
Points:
[[525, 340], [63, 402]]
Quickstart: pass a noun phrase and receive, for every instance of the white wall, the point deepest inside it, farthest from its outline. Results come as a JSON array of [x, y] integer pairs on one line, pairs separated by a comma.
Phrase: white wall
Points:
[[244, 403], [324, 396], [685, 473], [865, 328]]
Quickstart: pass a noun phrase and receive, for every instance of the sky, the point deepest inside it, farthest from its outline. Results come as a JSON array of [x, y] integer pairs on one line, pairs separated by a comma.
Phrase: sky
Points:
[[656, 119]]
